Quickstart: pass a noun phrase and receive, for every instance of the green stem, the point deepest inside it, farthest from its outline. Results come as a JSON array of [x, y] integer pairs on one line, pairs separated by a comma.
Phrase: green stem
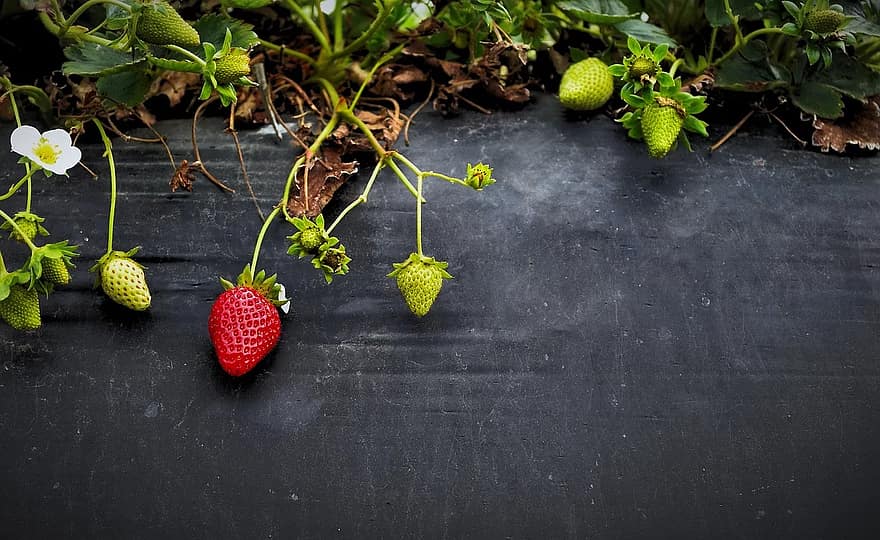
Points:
[[65, 26], [18, 184], [109, 153], [338, 34], [449, 179], [711, 53], [56, 30], [393, 166], [367, 34], [349, 116], [675, 65], [17, 229], [360, 200], [289, 52], [309, 23], [259, 244], [27, 165], [742, 41], [186, 53], [419, 202]]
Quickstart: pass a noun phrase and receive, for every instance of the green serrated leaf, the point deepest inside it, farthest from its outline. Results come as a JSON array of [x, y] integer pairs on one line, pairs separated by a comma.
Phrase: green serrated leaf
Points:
[[128, 88], [819, 99], [247, 4], [212, 29], [93, 60], [598, 11], [744, 9], [850, 77], [646, 32], [751, 71]]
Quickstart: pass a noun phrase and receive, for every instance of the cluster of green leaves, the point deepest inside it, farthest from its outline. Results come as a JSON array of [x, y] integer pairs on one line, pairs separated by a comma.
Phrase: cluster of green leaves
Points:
[[646, 82], [125, 66], [312, 240], [803, 51]]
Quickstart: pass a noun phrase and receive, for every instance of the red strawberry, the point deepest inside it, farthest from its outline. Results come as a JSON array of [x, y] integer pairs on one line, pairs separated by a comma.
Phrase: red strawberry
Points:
[[244, 323]]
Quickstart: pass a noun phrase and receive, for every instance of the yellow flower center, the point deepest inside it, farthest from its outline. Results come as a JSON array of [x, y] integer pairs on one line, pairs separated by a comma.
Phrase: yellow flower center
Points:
[[46, 151]]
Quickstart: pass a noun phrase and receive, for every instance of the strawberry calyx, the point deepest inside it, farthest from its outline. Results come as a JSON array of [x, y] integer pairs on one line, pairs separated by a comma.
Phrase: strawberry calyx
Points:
[[26, 221], [309, 237], [415, 258], [34, 268], [266, 286], [111, 255]]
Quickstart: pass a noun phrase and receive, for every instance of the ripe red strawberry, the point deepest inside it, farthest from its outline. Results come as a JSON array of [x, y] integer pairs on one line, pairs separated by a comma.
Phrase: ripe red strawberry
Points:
[[244, 323]]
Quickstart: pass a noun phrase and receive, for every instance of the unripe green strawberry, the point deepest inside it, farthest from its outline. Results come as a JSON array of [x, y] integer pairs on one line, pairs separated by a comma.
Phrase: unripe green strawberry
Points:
[[160, 24], [642, 65], [311, 239], [21, 309], [419, 279], [55, 271], [586, 85], [232, 66], [661, 123], [27, 227], [824, 21], [123, 280]]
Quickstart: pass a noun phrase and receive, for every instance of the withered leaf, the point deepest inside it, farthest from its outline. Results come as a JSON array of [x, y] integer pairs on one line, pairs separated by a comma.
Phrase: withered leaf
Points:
[[326, 174], [860, 127], [182, 178], [174, 84], [390, 80]]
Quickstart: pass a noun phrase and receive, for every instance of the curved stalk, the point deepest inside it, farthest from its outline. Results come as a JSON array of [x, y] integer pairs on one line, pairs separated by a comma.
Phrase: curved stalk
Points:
[[419, 202], [109, 153], [289, 52], [743, 41], [366, 35], [362, 198], [68, 22], [18, 230], [14, 188], [259, 244], [186, 53], [309, 23]]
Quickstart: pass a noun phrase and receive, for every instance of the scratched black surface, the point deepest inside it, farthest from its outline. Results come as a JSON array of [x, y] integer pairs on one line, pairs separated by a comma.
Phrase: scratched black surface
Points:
[[630, 348]]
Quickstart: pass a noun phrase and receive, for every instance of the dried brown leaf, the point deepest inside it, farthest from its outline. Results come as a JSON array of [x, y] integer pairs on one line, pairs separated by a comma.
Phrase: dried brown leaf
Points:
[[325, 175], [174, 85], [861, 127], [182, 178]]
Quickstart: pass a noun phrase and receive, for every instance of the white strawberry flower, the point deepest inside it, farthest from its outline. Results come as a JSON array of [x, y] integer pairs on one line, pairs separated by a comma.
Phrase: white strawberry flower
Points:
[[52, 150], [282, 296]]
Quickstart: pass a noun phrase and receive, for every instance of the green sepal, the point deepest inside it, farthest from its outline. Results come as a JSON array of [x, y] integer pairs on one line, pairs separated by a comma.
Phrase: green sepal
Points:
[[266, 286], [33, 268], [423, 259], [27, 216], [109, 256], [331, 260], [8, 279], [302, 225], [479, 176]]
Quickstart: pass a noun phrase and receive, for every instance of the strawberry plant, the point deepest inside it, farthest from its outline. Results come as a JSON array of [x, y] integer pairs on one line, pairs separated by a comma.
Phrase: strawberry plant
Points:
[[343, 81]]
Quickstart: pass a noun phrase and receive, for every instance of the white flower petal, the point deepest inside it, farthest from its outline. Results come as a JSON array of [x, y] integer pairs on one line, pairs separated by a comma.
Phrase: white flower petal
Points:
[[23, 139], [59, 138], [282, 295], [69, 158]]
